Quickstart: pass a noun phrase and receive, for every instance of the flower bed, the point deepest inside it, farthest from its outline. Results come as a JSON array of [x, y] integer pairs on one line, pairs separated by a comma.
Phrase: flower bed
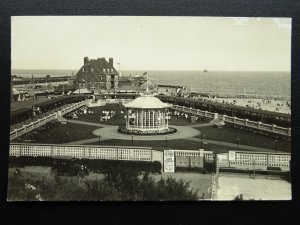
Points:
[[169, 130]]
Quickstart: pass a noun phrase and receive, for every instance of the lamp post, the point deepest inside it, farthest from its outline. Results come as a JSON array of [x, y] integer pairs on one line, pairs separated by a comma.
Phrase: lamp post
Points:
[[275, 144], [99, 137], [132, 140], [67, 137], [166, 140], [202, 136], [238, 143], [253, 168]]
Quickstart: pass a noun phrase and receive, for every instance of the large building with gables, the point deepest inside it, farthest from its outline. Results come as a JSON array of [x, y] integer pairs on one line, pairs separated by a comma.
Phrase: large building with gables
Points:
[[97, 74]]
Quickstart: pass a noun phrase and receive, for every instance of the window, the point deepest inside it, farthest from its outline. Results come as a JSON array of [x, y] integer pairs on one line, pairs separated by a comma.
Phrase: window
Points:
[[92, 70], [83, 69]]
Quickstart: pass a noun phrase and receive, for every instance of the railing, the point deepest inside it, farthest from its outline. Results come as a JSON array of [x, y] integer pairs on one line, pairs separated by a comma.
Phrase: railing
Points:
[[193, 111], [237, 121], [258, 161], [33, 125], [86, 151]]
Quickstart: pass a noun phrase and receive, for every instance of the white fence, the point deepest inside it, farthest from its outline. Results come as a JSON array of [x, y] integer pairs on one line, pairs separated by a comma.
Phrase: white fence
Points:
[[86, 151], [183, 158], [197, 112], [237, 121], [33, 125], [254, 160]]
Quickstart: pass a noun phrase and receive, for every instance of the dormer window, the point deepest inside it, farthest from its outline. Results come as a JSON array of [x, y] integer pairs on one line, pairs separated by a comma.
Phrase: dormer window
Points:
[[83, 69]]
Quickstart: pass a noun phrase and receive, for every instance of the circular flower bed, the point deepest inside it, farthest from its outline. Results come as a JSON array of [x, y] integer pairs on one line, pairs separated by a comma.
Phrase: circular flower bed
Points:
[[169, 130]]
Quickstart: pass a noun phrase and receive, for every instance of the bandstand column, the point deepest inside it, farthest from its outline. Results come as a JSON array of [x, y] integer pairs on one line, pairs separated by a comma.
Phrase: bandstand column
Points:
[[142, 119], [127, 119], [167, 121], [160, 116], [149, 121], [163, 118], [137, 118], [153, 119]]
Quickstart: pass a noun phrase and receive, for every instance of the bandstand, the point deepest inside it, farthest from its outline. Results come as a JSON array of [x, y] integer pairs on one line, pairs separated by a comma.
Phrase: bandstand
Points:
[[147, 114]]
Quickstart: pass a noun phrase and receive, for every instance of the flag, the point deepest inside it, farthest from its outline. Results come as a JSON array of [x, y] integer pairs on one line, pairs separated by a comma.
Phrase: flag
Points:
[[144, 73]]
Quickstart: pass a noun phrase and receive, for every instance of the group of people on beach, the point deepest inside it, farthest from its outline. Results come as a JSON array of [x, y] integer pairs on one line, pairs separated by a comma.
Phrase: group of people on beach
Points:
[[272, 104]]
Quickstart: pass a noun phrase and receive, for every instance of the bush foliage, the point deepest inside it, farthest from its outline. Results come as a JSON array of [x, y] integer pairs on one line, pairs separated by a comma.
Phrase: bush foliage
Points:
[[117, 185]]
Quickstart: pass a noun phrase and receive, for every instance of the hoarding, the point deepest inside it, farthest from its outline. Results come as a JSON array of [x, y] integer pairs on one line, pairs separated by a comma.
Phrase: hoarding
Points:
[[169, 161]]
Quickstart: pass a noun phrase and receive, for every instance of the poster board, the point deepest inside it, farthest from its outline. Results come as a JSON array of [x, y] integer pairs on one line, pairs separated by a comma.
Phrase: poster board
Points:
[[169, 161]]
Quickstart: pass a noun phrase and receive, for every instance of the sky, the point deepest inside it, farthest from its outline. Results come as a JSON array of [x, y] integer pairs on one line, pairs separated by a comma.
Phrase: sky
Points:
[[152, 43]]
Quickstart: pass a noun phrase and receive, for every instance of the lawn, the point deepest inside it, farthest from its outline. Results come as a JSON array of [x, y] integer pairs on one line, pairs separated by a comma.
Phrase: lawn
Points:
[[229, 134], [171, 144], [58, 135], [117, 119]]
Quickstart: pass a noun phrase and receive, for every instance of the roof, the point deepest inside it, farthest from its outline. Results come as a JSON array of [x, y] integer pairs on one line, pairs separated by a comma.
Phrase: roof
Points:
[[82, 91], [20, 111], [94, 75], [170, 86], [123, 78], [58, 99], [147, 102], [150, 84]]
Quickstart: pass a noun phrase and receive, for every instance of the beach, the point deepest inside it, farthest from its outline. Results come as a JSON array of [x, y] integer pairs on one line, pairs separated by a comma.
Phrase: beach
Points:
[[273, 105]]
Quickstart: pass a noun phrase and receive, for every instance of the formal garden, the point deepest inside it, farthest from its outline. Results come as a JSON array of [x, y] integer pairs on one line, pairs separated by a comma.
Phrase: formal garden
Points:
[[73, 131]]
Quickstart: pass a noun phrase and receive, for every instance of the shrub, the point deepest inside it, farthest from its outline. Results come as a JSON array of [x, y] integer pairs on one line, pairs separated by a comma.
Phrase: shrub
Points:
[[117, 185]]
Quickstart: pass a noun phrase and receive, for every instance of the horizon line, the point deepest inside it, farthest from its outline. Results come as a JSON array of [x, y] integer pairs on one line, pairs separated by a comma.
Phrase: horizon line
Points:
[[170, 70]]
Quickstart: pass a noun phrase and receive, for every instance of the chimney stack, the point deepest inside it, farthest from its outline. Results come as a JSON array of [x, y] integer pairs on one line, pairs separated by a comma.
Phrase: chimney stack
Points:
[[86, 60], [111, 61]]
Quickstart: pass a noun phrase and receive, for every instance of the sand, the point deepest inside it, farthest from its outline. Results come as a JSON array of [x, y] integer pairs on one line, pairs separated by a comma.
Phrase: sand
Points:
[[260, 188]]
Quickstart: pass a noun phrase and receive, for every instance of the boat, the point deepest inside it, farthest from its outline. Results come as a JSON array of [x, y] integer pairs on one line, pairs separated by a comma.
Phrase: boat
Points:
[[205, 70]]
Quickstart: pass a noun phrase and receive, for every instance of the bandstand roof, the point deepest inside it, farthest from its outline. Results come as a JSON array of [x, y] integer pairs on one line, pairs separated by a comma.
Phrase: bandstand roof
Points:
[[147, 102]]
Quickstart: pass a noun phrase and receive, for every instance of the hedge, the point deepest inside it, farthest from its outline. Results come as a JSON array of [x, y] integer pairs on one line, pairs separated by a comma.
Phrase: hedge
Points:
[[191, 169], [96, 165]]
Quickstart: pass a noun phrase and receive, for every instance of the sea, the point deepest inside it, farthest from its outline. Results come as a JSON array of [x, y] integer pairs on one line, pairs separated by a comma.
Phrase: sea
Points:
[[220, 83]]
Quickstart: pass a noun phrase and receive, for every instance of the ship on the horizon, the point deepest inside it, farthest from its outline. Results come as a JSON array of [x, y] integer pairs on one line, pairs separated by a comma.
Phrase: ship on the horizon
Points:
[[205, 70]]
